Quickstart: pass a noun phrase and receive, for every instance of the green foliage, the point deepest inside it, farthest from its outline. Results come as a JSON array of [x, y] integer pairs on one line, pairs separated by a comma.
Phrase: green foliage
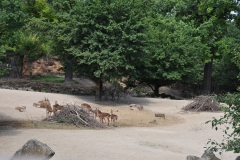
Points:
[[49, 79], [109, 37], [63, 121], [231, 124], [30, 45], [174, 50]]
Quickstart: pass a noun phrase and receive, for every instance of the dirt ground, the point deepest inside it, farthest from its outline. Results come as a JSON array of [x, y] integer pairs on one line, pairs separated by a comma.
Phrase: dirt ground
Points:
[[174, 138]]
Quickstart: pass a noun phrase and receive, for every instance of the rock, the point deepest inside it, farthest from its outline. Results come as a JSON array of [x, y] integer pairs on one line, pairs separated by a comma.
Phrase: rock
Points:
[[34, 149], [160, 115], [153, 122], [238, 158], [208, 155], [192, 158]]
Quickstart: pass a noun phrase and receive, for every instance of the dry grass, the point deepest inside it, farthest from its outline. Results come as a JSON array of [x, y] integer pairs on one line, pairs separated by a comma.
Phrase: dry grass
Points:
[[126, 118], [131, 118]]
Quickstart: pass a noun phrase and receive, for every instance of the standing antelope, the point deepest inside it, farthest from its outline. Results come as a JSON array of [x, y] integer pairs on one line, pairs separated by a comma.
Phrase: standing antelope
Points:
[[113, 117], [94, 113], [48, 107], [102, 115]]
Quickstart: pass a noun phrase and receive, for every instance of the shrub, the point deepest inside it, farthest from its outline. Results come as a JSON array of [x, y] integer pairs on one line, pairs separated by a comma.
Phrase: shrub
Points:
[[231, 123]]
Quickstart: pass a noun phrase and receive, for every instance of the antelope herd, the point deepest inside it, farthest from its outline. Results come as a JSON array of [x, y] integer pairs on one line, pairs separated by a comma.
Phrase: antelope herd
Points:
[[102, 116]]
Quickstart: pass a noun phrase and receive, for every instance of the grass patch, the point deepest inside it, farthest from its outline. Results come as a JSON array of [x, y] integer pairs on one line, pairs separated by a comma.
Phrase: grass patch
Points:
[[49, 79]]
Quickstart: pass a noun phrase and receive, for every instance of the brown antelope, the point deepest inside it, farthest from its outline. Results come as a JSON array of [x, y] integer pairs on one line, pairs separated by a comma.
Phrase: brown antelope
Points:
[[94, 112], [113, 117], [48, 107], [56, 107], [102, 115], [41, 103], [20, 109], [36, 104], [86, 107]]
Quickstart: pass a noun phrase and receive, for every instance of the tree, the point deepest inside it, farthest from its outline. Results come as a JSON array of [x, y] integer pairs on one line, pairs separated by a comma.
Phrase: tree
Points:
[[175, 47], [106, 38], [210, 17], [11, 20], [16, 40]]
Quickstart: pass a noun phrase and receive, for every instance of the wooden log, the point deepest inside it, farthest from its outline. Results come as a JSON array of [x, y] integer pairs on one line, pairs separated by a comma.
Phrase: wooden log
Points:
[[160, 115]]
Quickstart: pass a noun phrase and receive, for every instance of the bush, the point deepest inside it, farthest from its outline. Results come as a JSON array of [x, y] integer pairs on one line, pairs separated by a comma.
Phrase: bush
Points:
[[231, 123]]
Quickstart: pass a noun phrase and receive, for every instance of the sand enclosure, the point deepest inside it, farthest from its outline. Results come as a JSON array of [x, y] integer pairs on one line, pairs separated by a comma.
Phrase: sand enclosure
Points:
[[179, 135]]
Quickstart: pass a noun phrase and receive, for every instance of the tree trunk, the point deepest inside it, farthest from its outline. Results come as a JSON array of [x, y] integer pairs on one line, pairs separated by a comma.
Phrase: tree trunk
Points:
[[16, 66], [98, 96], [207, 78], [156, 90], [68, 71]]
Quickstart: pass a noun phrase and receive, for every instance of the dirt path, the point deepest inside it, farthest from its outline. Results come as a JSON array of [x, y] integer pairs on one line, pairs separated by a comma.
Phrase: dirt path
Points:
[[176, 137]]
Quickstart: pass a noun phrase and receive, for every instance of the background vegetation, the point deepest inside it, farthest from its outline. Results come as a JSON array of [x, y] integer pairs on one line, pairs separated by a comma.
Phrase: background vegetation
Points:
[[157, 42]]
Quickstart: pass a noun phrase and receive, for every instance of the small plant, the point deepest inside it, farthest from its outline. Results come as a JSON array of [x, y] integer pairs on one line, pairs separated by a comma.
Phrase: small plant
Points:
[[63, 121], [50, 79], [231, 122], [138, 91], [44, 90]]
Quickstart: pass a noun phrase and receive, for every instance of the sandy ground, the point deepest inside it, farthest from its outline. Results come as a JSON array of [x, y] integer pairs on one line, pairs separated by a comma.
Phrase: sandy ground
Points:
[[174, 138]]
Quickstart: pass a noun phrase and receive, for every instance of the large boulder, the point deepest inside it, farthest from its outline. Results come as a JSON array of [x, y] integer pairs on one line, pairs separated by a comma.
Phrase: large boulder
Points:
[[192, 158], [34, 149], [208, 155]]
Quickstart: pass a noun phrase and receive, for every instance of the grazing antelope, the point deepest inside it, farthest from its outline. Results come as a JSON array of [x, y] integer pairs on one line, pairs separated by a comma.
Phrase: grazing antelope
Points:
[[20, 109], [56, 107], [102, 115], [113, 117], [86, 107]]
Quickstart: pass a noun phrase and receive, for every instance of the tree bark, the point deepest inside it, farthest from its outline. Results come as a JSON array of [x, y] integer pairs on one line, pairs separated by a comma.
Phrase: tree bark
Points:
[[207, 78], [156, 90], [68, 71], [98, 96]]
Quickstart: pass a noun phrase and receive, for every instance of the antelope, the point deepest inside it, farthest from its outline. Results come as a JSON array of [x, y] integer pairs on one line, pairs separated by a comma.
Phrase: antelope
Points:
[[56, 107], [41, 103], [102, 115], [36, 104], [136, 107], [86, 107], [113, 117], [48, 107], [94, 112], [20, 109]]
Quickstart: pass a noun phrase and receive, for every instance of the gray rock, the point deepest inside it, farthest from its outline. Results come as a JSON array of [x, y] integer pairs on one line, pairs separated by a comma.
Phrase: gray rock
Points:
[[34, 149], [238, 158], [192, 158], [153, 122], [208, 155]]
